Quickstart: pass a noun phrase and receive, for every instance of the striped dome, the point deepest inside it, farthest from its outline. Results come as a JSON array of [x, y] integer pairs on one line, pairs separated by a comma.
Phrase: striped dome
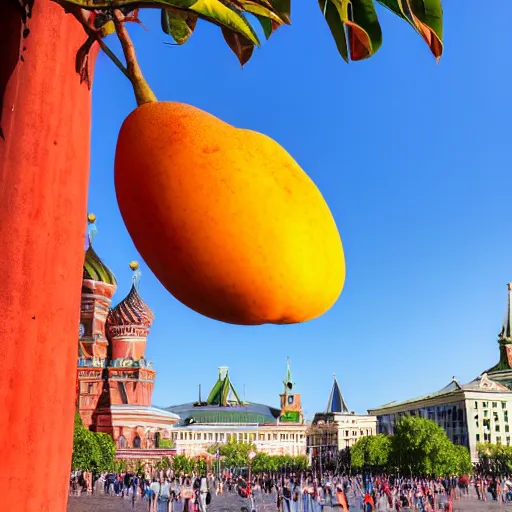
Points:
[[131, 311], [95, 269]]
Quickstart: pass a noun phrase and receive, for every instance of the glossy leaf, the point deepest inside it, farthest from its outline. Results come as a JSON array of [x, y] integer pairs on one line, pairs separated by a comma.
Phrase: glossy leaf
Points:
[[228, 17], [357, 22], [264, 9], [241, 46], [425, 16], [363, 30], [336, 26], [178, 24], [266, 25], [353, 23]]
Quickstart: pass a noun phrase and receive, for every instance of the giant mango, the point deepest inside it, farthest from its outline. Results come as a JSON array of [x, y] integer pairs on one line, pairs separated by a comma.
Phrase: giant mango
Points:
[[225, 218]]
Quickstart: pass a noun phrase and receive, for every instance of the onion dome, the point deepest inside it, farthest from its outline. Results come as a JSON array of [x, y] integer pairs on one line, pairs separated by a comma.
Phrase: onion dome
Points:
[[94, 268], [132, 310]]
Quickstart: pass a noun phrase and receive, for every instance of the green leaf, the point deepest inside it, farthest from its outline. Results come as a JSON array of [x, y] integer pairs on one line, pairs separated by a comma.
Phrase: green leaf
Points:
[[178, 24], [282, 7], [241, 46], [265, 9], [267, 25], [363, 29], [363, 33], [228, 17], [336, 26], [425, 16]]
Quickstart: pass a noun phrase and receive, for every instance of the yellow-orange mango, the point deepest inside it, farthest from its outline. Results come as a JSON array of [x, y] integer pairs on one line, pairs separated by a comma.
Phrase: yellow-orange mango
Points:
[[225, 218]]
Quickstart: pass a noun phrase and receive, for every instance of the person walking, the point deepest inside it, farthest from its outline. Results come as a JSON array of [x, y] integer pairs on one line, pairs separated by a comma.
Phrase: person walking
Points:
[[204, 490], [153, 496]]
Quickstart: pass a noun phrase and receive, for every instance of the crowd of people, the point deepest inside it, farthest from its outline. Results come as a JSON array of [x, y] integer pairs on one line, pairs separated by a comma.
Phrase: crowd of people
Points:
[[167, 492]]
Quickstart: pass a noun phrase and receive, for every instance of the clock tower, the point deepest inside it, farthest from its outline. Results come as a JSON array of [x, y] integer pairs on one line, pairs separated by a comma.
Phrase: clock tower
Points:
[[291, 409]]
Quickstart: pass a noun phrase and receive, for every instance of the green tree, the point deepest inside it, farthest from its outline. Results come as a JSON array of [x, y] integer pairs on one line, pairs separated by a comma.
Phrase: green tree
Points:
[[180, 464], [107, 452], [462, 460], [91, 451], [371, 452], [300, 463], [261, 463], [235, 453], [495, 459], [421, 447]]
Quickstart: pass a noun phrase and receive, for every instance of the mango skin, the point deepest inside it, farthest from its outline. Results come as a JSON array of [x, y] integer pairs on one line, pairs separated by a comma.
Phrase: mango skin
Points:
[[225, 218]]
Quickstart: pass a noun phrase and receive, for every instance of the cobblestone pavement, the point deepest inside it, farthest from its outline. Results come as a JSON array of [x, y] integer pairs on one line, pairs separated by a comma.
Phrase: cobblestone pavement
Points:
[[233, 503]]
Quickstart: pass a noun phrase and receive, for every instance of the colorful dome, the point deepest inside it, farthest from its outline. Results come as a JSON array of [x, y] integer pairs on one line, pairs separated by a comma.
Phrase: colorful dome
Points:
[[94, 268], [132, 310]]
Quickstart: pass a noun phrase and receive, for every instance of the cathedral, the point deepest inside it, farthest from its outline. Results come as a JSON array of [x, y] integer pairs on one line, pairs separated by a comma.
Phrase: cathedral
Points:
[[114, 379]]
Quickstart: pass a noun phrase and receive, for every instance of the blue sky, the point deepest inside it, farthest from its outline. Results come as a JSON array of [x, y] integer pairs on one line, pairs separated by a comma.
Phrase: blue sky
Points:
[[414, 160]]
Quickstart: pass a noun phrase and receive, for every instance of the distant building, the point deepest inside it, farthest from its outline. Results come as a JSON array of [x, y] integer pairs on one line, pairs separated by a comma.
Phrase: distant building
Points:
[[225, 416], [336, 429], [469, 414]]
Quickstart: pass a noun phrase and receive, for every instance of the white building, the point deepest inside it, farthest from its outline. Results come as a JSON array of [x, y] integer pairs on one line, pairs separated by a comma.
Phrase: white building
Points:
[[274, 439], [337, 428], [470, 413], [224, 416]]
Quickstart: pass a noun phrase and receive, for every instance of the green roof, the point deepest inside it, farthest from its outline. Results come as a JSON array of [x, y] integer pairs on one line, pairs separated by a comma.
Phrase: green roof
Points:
[[223, 393], [232, 416], [95, 269]]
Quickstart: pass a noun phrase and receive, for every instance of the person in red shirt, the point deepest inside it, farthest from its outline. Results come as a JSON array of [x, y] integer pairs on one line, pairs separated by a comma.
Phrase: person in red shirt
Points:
[[368, 504]]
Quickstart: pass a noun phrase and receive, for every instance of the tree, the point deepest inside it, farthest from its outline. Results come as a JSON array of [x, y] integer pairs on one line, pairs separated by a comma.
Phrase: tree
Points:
[[421, 447], [235, 453], [371, 452], [462, 458], [91, 451], [46, 70], [180, 464], [495, 459]]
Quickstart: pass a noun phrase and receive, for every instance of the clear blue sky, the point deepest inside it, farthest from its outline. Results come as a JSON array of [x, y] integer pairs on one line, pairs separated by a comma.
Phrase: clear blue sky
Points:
[[414, 160]]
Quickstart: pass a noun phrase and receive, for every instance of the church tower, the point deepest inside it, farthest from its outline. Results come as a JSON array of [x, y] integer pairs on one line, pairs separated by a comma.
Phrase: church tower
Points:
[[502, 372], [130, 376], [291, 409], [98, 287]]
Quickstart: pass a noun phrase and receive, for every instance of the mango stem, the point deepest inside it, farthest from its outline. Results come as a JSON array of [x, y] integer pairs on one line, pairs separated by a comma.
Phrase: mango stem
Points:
[[143, 93]]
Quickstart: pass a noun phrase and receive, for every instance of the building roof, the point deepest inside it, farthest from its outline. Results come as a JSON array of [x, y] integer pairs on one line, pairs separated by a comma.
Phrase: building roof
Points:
[[225, 406], [336, 401], [481, 383], [223, 393], [132, 310], [244, 414], [143, 410], [94, 268]]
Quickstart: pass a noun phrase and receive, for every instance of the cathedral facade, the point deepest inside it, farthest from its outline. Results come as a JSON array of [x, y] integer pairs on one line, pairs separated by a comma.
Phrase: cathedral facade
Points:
[[114, 379]]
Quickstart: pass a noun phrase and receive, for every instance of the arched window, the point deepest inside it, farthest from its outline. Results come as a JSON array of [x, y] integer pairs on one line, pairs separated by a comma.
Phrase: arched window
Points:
[[157, 439], [121, 441], [136, 442]]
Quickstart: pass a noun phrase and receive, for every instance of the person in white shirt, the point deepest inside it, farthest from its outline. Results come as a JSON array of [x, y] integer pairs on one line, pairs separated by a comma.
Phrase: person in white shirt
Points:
[[204, 489], [155, 490]]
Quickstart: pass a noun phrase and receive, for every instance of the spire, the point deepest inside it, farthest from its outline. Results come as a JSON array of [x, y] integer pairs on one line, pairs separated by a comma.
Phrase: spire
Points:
[[506, 331], [223, 394], [288, 382], [336, 401]]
